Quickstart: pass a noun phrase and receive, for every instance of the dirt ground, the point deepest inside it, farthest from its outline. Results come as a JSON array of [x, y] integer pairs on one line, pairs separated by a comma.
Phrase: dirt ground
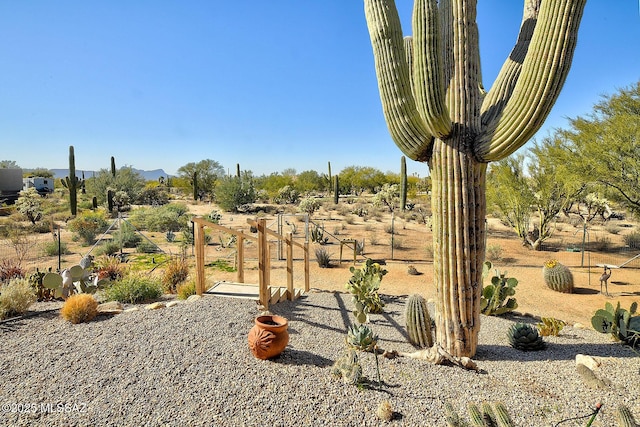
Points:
[[533, 296]]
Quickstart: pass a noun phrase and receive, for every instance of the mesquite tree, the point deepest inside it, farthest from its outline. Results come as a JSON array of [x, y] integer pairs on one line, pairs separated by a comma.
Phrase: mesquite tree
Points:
[[438, 112]]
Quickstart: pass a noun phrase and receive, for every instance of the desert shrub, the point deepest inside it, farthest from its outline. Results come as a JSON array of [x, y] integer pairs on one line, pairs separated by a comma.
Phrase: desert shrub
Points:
[[15, 297], [171, 217], [323, 258], [309, 205], [134, 289], [88, 225], [146, 247], [153, 196], [388, 228], [10, 269], [373, 238], [286, 195], [127, 236], [187, 289], [52, 248], [601, 243], [613, 228], [494, 252], [41, 227], [397, 243], [108, 267], [350, 219], [79, 308], [632, 240], [175, 273], [109, 247]]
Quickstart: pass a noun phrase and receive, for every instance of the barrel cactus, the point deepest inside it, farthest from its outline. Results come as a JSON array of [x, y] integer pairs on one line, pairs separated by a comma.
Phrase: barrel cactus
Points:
[[557, 276], [525, 337], [418, 321]]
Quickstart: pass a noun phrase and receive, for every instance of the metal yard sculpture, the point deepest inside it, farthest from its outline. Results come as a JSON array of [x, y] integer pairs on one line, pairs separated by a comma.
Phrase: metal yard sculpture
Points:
[[438, 112]]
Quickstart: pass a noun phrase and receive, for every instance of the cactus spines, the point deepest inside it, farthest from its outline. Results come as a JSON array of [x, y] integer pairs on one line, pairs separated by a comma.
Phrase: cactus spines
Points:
[[490, 416], [557, 276], [418, 321], [403, 183], [625, 417], [438, 113], [525, 337]]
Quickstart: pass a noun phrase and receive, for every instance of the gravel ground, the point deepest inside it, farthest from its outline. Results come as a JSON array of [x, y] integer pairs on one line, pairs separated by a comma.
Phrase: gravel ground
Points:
[[189, 365]]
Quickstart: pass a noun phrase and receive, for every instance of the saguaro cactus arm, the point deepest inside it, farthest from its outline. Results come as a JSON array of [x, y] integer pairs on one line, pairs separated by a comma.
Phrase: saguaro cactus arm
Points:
[[544, 70], [407, 128]]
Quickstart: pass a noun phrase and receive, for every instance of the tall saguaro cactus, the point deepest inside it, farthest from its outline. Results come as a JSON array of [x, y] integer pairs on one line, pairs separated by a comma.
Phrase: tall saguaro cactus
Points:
[[438, 112], [71, 182]]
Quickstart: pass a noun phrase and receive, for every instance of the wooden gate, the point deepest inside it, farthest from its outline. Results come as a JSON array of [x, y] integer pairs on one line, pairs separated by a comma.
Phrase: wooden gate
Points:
[[264, 259]]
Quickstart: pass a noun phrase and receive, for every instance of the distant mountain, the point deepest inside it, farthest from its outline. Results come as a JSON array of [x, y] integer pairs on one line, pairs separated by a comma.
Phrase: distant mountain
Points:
[[152, 175]]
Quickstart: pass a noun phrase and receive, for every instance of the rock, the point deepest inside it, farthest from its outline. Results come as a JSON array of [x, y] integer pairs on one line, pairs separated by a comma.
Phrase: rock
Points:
[[194, 298], [579, 326], [588, 361], [111, 307], [155, 306], [128, 310], [172, 303]]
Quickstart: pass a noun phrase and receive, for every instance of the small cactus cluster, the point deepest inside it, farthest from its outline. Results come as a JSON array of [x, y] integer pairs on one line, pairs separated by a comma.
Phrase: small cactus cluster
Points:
[[496, 415], [76, 279], [557, 276], [496, 296], [525, 337], [550, 326], [418, 321], [348, 368]]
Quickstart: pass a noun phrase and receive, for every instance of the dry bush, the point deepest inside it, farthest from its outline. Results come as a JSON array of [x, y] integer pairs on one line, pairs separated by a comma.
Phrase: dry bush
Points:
[[185, 290], [176, 272], [10, 269], [110, 267], [15, 297], [79, 308]]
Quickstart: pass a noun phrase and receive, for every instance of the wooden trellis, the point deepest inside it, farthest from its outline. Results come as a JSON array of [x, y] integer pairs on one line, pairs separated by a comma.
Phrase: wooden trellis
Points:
[[264, 260]]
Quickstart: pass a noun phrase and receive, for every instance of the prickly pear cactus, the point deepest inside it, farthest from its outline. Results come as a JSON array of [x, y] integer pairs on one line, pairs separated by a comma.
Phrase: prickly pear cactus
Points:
[[525, 337], [557, 276], [418, 321], [348, 368]]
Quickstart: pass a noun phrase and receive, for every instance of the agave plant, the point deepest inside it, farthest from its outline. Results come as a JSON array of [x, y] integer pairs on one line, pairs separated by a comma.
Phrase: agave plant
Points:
[[525, 337]]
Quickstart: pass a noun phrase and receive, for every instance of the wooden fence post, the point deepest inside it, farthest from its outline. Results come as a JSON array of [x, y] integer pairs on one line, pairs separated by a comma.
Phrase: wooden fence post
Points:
[[240, 274], [262, 263], [289, 241]]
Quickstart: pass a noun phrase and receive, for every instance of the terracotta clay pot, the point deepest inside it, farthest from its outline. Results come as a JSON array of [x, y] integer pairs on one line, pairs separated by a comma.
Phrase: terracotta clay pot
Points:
[[269, 336]]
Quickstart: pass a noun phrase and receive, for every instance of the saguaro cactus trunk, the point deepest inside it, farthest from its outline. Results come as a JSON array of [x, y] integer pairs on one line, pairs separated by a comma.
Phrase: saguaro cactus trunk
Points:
[[438, 112]]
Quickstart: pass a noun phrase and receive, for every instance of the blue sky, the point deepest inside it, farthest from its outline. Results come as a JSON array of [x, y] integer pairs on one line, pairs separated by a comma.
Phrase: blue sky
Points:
[[268, 84]]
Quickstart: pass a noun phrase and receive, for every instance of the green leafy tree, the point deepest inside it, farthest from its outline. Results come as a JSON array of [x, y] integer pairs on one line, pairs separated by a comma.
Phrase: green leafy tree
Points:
[[310, 181], [39, 172], [208, 173], [272, 183], [439, 113], [357, 179], [604, 147], [8, 164], [29, 204], [508, 191], [233, 192], [126, 179]]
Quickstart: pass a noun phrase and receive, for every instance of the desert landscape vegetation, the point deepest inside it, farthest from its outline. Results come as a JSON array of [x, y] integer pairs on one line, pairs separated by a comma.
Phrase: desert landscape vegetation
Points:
[[503, 286]]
